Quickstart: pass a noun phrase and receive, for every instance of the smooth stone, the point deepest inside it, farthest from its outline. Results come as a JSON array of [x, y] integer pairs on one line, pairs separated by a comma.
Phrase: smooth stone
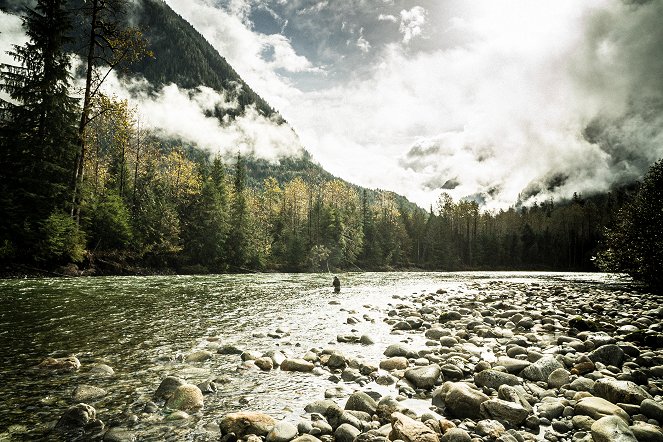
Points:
[[282, 432], [490, 428], [551, 408], [512, 365], [596, 408], [348, 338], [620, 391], [70, 363], [516, 394], [456, 435], [346, 433], [394, 363], [423, 377], [409, 430], [117, 434], [229, 349], [336, 417], [337, 361], [366, 340], [320, 406], [583, 423], [276, 356], [541, 369], [493, 379], [102, 370], [559, 377], [244, 423], [177, 416], [297, 365], [77, 421], [249, 355], [609, 354], [264, 363], [503, 411], [361, 401], [459, 399], [386, 407], [400, 349], [186, 397], [582, 384], [199, 356], [87, 393], [645, 432], [306, 438], [652, 409], [167, 386], [612, 429]]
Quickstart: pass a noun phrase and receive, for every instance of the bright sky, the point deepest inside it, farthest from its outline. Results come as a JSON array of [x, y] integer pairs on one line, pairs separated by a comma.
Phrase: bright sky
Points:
[[484, 99]]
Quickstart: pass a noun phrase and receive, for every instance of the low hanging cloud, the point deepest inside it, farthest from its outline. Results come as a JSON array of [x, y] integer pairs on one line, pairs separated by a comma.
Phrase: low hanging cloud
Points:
[[412, 23], [188, 115]]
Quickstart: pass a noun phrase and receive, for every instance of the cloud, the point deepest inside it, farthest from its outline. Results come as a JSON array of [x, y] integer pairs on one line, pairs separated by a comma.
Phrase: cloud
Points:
[[412, 23], [387, 17], [12, 34], [362, 43], [172, 112]]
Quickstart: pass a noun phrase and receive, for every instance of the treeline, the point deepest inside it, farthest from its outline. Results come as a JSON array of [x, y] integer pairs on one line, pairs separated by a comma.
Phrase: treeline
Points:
[[81, 182]]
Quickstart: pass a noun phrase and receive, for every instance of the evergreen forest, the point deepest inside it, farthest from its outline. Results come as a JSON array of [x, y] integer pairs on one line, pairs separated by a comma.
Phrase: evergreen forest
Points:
[[84, 188]]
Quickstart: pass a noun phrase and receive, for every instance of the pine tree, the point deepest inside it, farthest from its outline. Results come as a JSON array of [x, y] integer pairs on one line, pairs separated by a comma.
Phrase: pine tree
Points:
[[38, 128]]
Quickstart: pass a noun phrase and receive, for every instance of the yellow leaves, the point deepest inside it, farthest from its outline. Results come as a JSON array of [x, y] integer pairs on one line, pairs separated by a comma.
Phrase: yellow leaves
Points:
[[180, 175]]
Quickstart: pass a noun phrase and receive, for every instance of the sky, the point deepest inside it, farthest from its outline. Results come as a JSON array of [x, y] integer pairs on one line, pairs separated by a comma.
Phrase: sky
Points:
[[490, 100]]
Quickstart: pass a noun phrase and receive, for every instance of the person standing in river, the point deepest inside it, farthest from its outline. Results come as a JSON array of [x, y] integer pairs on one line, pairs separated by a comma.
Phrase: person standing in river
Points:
[[336, 284]]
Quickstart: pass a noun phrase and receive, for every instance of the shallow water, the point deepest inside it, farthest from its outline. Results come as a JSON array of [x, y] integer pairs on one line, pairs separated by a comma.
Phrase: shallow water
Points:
[[142, 326]]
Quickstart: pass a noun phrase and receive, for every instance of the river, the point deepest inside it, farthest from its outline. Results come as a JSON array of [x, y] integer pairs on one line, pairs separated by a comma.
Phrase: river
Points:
[[144, 326]]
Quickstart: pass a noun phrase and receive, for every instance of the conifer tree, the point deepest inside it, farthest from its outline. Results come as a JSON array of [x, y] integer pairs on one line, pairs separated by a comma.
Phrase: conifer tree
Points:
[[37, 128]]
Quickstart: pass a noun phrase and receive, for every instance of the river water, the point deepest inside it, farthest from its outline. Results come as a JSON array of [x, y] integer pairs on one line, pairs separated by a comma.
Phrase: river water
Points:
[[144, 326]]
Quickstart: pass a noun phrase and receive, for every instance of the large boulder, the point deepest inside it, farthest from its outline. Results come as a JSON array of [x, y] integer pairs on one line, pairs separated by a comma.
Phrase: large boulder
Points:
[[408, 430], [596, 408], [620, 391], [612, 429], [297, 365], [652, 409], [645, 432], [244, 423], [459, 400], [187, 397], [423, 377], [360, 401]]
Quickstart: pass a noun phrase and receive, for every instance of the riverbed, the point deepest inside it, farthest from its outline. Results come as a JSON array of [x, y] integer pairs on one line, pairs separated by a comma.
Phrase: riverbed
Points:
[[144, 327]]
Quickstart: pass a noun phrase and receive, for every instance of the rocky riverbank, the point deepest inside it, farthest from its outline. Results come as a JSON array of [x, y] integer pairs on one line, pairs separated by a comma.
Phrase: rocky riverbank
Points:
[[500, 361]]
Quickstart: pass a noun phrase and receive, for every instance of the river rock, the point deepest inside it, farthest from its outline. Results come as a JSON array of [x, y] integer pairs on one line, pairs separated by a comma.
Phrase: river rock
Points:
[[550, 408], [493, 379], [423, 377], [297, 365], [187, 397], [612, 429], [117, 434], [366, 340], [609, 354], [78, 422], [336, 417], [199, 356], [346, 433], [70, 363], [306, 438], [620, 391], [455, 435], [394, 363], [512, 365], [167, 387], [596, 408], [459, 399], [559, 377], [244, 423], [516, 394], [264, 363], [87, 393], [652, 409], [645, 432], [282, 432], [178, 415], [102, 370], [400, 349], [386, 407], [503, 411], [541, 369], [348, 338], [229, 349], [409, 430], [490, 428], [337, 361], [319, 407], [361, 401]]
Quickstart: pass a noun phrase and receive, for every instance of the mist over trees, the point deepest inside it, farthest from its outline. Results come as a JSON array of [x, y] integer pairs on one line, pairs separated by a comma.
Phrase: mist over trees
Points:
[[89, 185]]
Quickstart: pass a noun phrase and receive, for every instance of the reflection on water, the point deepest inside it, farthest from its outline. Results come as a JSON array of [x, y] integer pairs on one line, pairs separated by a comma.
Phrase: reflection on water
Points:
[[140, 325]]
